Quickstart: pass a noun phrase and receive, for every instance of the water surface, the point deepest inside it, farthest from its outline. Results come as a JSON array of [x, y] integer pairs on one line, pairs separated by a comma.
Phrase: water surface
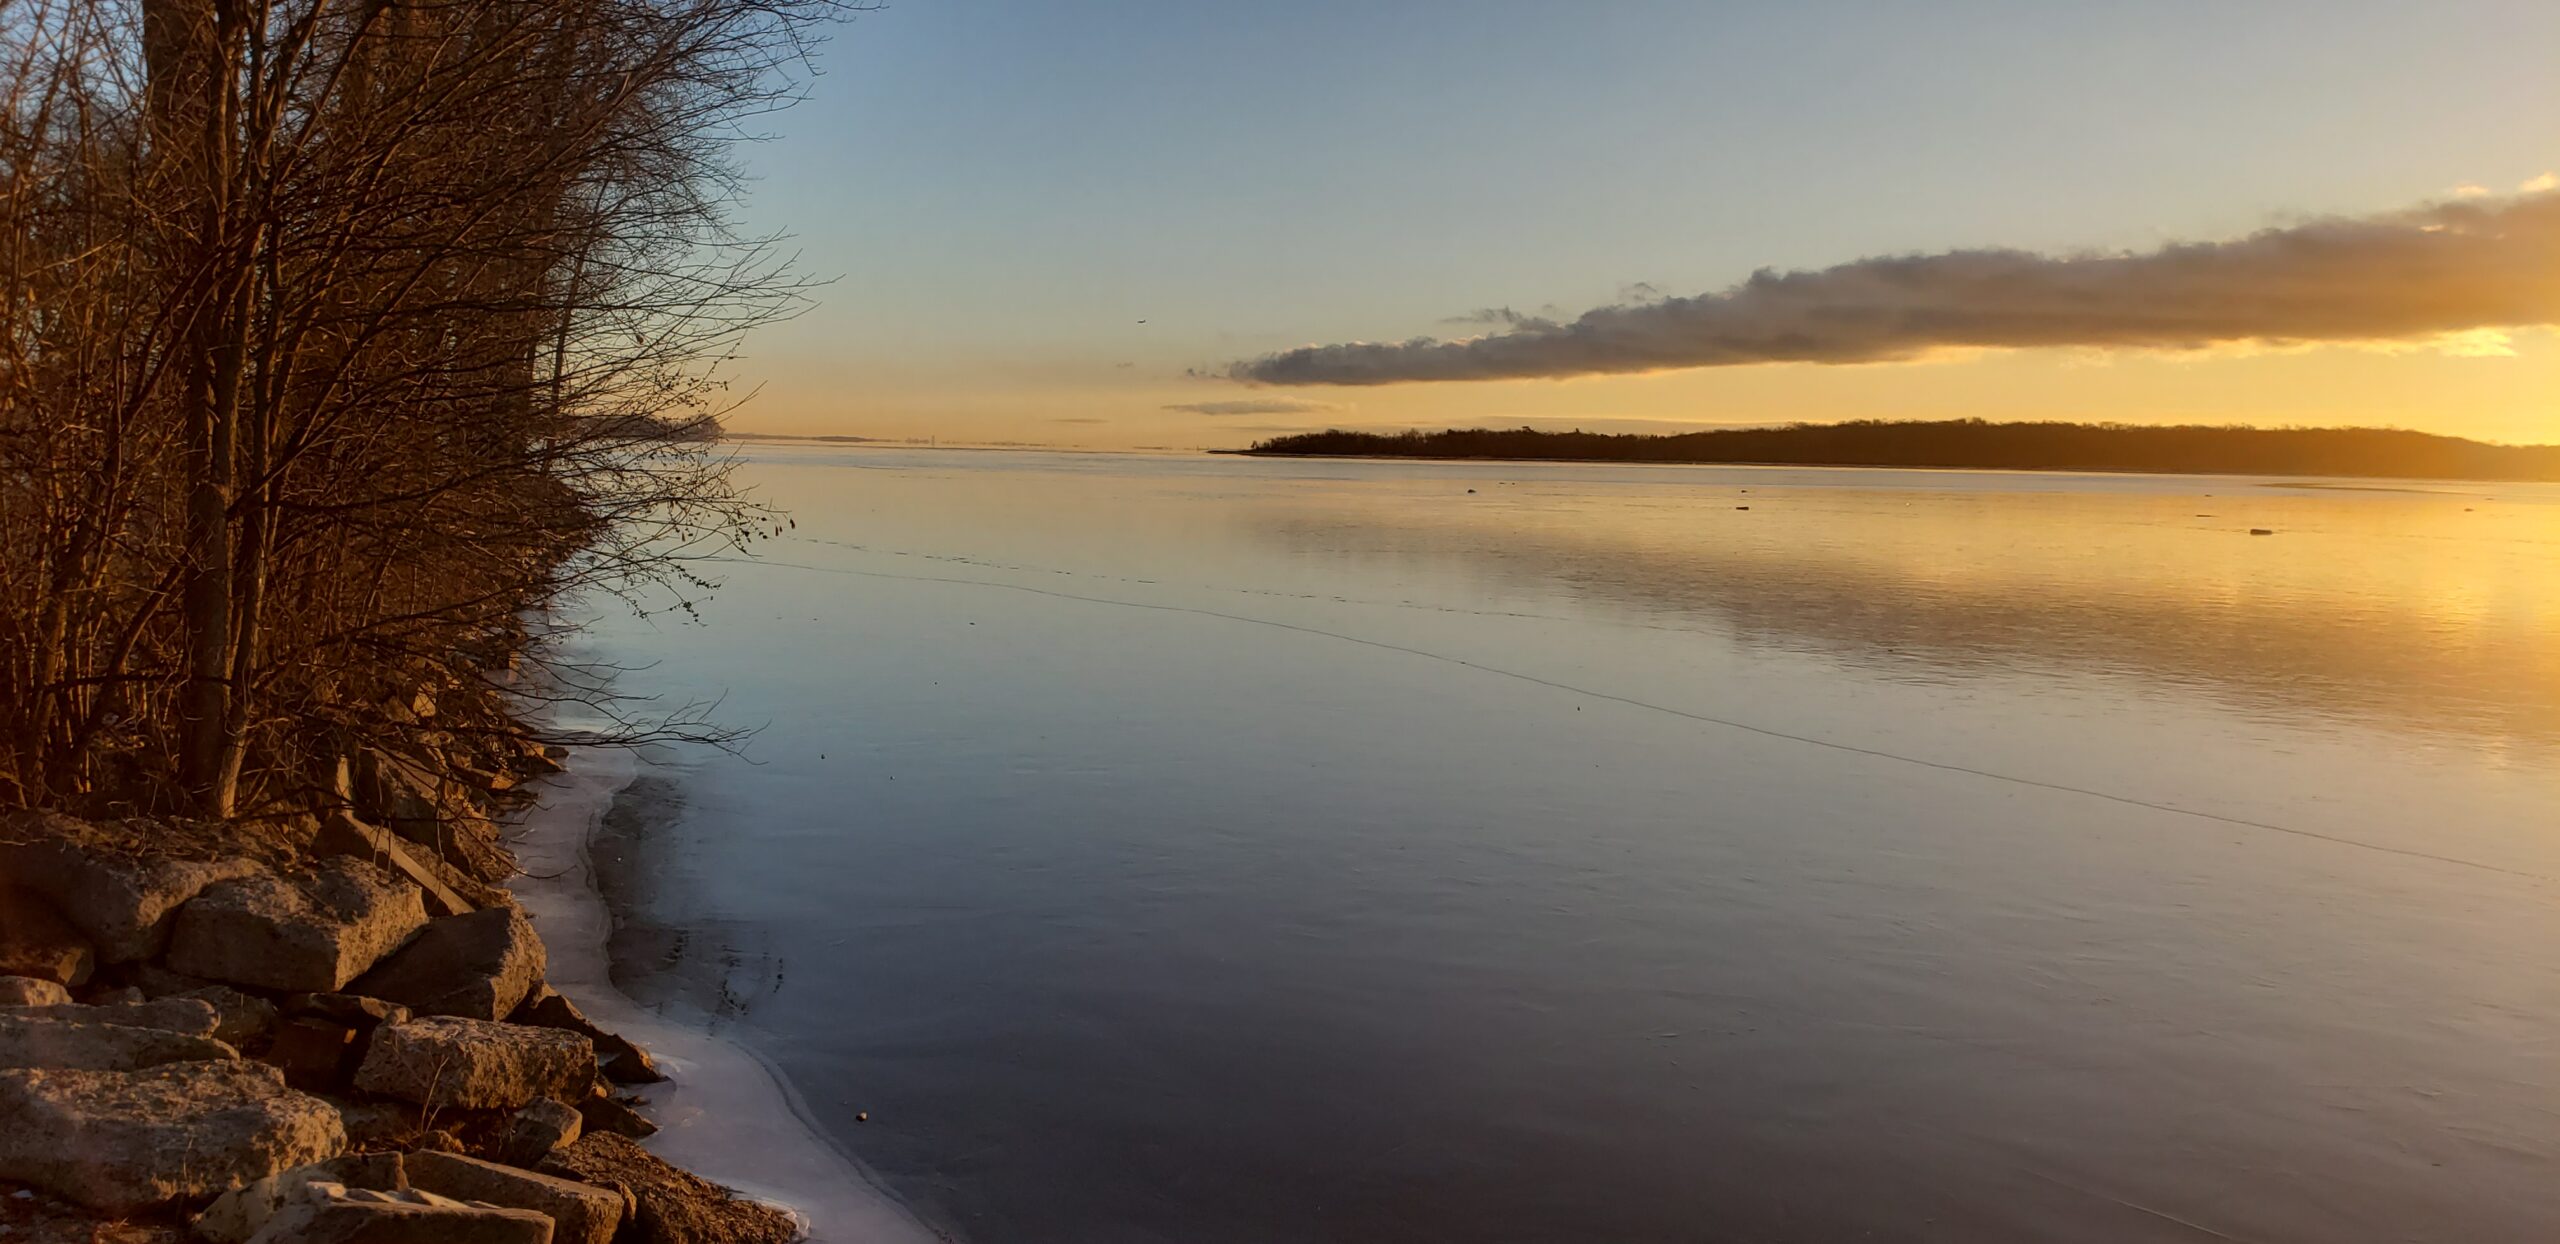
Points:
[[1193, 849]]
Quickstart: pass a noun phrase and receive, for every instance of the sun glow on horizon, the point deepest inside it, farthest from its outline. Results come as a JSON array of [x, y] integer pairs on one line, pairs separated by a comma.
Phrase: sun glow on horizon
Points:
[[2491, 385]]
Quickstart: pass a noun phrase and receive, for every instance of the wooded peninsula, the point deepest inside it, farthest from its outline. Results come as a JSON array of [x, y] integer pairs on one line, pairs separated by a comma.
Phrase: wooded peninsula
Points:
[[1975, 444]]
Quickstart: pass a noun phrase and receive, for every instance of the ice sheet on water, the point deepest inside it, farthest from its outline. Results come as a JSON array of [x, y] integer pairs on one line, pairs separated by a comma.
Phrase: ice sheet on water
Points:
[[725, 1113]]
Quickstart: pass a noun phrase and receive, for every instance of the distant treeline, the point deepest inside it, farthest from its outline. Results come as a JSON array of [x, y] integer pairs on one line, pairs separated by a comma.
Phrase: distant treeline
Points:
[[1973, 444]]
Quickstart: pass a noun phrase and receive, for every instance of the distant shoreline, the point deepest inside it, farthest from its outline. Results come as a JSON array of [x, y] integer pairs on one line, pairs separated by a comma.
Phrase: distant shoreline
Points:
[[1883, 466], [1973, 445]]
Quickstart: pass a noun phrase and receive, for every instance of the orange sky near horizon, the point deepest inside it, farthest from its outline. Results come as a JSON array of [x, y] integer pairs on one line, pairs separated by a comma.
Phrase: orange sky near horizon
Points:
[[2511, 397], [1064, 225]]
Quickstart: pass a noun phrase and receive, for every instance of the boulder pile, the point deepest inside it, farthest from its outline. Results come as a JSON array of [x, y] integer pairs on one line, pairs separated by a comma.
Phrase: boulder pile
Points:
[[336, 1031]]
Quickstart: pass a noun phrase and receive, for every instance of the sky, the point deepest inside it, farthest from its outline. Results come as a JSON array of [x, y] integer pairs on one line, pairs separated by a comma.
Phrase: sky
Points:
[[1142, 223]]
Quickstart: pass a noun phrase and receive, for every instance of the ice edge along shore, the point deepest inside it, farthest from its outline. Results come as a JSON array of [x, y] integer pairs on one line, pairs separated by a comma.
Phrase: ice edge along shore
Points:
[[727, 1114]]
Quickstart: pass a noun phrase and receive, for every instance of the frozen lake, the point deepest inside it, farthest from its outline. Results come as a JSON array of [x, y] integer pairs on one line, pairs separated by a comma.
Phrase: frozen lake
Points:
[[1215, 849]]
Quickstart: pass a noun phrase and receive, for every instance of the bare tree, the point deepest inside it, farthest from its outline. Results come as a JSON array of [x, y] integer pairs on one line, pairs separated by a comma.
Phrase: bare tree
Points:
[[339, 334]]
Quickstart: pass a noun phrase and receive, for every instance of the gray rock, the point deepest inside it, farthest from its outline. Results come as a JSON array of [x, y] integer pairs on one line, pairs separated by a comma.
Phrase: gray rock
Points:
[[36, 942], [193, 1017], [122, 902], [479, 966], [26, 1040], [122, 1141], [237, 1215], [536, 1130], [329, 1214], [622, 1061], [475, 1064], [580, 1213], [29, 991], [266, 932]]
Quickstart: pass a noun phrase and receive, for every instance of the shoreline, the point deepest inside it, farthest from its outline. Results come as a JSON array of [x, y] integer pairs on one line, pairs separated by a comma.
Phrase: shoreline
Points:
[[2272, 479], [1975, 444], [725, 1113]]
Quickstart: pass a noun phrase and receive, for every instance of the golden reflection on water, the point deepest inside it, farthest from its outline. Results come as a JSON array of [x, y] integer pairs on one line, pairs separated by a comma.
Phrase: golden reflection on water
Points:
[[1111, 819], [2433, 609]]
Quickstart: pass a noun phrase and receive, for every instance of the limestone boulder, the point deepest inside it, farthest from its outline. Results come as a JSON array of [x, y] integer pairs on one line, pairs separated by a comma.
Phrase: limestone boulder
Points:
[[37, 942], [672, 1206], [124, 1141], [313, 933], [316, 1055], [439, 1140], [432, 811], [470, 842], [29, 1040], [354, 1010], [241, 1019], [479, 965], [533, 1132], [397, 792], [622, 1061], [373, 1124], [343, 834], [606, 1114], [489, 780], [119, 896], [327, 1213], [323, 1035], [29, 991], [580, 1213], [474, 1064], [237, 1215], [535, 758], [156, 981], [192, 1017], [29, 1217]]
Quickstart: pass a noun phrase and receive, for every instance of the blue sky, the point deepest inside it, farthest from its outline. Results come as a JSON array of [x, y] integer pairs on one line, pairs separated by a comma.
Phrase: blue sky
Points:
[[1005, 188]]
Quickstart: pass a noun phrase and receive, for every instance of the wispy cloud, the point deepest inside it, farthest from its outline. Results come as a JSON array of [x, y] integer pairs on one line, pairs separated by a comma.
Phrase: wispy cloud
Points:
[[2434, 271], [2539, 185], [1258, 406], [1501, 317]]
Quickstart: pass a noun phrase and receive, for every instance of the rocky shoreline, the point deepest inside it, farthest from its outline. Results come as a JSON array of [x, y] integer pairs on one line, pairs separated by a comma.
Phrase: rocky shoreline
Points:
[[336, 1027]]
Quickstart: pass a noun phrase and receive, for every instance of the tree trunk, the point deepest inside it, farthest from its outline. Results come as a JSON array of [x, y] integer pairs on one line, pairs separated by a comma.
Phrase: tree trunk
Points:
[[187, 44]]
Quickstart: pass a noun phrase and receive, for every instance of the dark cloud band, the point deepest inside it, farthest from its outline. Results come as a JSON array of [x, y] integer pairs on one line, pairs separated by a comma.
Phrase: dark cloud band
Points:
[[1255, 406], [2444, 268]]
